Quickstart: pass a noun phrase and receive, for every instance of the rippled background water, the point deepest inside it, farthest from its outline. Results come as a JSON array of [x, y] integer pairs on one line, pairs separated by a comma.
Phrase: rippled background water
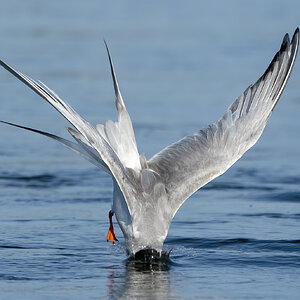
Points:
[[180, 64]]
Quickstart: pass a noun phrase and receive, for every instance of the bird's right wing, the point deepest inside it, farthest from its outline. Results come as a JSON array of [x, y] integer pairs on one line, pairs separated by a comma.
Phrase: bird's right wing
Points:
[[195, 160]]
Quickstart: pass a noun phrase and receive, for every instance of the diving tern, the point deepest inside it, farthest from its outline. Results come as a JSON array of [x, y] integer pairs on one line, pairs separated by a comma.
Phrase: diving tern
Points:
[[148, 193]]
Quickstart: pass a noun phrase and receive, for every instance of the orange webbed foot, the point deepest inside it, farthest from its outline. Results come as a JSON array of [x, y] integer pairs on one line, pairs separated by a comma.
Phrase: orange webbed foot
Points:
[[111, 235]]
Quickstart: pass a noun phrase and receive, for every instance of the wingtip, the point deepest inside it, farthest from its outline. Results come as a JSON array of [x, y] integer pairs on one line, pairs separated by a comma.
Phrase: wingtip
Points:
[[110, 60], [119, 101], [6, 66], [108, 53], [4, 122], [104, 41], [2, 63], [296, 35], [285, 42]]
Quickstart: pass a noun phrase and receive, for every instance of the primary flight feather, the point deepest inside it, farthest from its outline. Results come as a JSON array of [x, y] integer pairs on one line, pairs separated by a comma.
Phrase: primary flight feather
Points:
[[147, 194]]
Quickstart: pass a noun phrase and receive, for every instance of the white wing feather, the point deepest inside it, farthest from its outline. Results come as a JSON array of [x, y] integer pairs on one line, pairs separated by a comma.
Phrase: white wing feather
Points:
[[91, 135], [120, 135], [195, 160], [85, 151]]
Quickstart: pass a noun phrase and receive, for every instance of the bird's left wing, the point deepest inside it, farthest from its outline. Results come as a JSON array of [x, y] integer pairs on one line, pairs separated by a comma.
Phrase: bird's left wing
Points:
[[195, 160], [85, 151], [114, 143]]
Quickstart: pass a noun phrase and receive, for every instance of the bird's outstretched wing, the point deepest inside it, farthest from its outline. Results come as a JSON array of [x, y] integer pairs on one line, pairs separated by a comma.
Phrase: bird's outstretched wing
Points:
[[120, 134], [80, 148], [113, 145], [195, 160]]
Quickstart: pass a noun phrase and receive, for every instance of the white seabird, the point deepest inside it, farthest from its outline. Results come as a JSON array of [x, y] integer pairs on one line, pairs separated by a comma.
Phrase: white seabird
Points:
[[147, 194]]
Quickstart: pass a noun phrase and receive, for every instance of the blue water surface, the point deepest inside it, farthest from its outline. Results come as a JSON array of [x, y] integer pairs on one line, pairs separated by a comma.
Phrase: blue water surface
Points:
[[180, 64]]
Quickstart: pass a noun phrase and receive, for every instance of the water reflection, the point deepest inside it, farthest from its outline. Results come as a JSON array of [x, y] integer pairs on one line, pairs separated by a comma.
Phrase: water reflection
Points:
[[140, 280]]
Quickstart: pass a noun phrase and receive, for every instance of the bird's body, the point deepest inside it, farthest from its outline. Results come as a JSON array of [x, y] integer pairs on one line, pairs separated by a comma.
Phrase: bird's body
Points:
[[147, 194]]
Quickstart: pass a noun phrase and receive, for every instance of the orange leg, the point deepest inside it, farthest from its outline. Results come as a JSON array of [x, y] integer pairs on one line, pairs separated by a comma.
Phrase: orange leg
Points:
[[111, 235]]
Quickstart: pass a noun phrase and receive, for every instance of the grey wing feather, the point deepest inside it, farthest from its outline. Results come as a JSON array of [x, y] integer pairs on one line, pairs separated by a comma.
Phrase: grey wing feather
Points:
[[120, 135], [119, 100], [195, 160], [90, 134], [77, 148], [91, 152]]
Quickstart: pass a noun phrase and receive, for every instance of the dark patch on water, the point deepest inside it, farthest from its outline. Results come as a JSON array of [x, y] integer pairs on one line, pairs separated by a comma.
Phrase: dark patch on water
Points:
[[37, 181], [285, 179], [107, 199], [12, 247], [237, 243], [16, 278], [269, 215], [48, 180], [293, 196]]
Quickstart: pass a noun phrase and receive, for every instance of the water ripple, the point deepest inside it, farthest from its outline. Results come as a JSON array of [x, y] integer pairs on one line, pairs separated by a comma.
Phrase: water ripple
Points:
[[33, 181], [238, 243], [269, 215], [293, 196]]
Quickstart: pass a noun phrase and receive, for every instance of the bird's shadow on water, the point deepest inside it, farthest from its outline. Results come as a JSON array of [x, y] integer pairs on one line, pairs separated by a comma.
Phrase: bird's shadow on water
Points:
[[141, 280]]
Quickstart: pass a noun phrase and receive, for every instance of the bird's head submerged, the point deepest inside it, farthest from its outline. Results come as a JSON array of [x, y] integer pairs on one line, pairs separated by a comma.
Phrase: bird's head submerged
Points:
[[147, 255]]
